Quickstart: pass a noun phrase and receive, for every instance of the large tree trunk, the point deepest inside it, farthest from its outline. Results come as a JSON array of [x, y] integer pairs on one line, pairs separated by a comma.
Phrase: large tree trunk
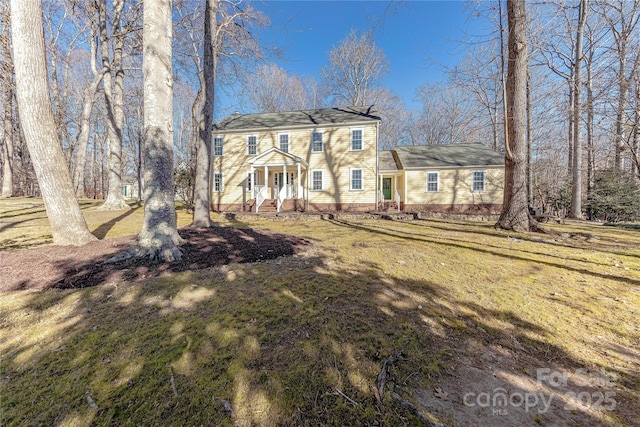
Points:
[[82, 141], [590, 114], [576, 186], [529, 142], [65, 217], [159, 236], [113, 99], [202, 196], [7, 117], [515, 213]]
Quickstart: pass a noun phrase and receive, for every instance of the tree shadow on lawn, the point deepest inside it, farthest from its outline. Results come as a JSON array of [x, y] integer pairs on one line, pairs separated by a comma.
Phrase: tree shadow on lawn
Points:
[[295, 340], [454, 243], [491, 231], [67, 267], [518, 239], [101, 231]]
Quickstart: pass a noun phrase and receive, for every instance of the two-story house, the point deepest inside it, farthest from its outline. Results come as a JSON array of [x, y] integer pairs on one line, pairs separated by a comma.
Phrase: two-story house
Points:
[[322, 160], [327, 160]]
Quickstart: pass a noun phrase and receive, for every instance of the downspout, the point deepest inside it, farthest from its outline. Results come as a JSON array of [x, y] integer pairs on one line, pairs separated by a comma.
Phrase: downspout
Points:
[[377, 167]]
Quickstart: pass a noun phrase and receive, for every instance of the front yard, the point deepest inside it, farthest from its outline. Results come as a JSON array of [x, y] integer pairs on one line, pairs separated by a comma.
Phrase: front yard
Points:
[[376, 323]]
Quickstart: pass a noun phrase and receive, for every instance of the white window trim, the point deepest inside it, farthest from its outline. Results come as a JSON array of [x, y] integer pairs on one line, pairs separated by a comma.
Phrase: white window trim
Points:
[[247, 139], [351, 179], [213, 146], [351, 139], [322, 134], [221, 182], [437, 182], [321, 181], [288, 141], [484, 181]]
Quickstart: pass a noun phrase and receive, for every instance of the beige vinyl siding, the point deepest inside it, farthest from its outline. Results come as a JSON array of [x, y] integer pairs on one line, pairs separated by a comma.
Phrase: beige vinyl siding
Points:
[[454, 187], [336, 160]]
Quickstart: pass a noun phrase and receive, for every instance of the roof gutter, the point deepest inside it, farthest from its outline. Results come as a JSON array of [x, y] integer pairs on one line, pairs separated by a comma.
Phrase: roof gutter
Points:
[[307, 126]]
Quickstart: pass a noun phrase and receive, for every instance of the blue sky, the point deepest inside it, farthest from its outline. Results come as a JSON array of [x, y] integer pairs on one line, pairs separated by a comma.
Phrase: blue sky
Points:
[[419, 38]]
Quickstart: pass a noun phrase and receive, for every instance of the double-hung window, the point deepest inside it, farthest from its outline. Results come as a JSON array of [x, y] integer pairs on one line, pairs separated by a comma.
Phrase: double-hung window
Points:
[[284, 142], [356, 179], [356, 139], [478, 181], [316, 180], [252, 145], [432, 182], [217, 182], [316, 142], [217, 146]]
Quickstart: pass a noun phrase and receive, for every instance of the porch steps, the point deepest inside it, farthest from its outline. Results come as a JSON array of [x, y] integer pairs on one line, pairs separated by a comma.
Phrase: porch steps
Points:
[[390, 206], [269, 205]]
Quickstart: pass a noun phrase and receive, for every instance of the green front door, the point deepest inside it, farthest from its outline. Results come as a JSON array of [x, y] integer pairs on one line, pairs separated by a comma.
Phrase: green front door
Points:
[[386, 188]]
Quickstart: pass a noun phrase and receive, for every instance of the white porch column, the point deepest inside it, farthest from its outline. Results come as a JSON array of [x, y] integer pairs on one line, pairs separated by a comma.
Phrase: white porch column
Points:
[[252, 185], [380, 189], [285, 184], [395, 190], [299, 191], [266, 179]]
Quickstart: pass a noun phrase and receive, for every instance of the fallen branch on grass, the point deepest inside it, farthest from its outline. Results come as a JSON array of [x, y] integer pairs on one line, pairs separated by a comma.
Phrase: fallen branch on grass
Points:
[[92, 403], [338, 392], [173, 383], [381, 380]]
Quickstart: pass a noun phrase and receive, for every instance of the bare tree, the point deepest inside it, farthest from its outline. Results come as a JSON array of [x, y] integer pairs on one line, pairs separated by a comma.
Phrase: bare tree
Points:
[[515, 213], [622, 17], [395, 118], [159, 237], [113, 81], [7, 89], [88, 99], [202, 193], [65, 217], [576, 186], [355, 67], [271, 89]]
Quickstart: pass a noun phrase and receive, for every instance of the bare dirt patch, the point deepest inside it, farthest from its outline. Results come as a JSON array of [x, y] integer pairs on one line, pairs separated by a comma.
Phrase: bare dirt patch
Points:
[[68, 267]]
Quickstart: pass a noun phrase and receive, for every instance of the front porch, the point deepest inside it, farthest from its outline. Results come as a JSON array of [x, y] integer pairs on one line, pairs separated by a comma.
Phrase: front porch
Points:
[[274, 182], [391, 187]]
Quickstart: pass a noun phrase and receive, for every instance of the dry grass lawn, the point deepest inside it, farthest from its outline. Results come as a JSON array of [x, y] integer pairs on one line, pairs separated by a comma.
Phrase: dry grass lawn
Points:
[[442, 310]]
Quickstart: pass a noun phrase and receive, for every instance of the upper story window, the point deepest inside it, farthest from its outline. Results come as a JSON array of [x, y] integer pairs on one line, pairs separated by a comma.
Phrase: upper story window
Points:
[[283, 138], [252, 144], [316, 142], [478, 181], [217, 146], [356, 139], [432, 182]]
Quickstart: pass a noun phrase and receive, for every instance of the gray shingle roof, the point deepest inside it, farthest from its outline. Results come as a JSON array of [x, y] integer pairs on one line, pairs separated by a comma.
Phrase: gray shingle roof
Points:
[[311, 118], [450, 155], [386, 161]]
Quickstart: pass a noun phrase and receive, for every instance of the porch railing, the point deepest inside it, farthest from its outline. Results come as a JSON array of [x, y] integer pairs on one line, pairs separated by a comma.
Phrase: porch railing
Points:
[[282, 194], [261, 195], [397, 200]]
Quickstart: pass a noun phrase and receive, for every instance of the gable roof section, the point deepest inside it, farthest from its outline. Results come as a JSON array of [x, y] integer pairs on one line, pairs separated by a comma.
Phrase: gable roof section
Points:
[[276, 155], [292, 119], [449, 155], [387, 161]]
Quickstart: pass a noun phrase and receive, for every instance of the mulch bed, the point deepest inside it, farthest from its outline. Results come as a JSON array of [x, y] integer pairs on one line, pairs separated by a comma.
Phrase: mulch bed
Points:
[[68, 267]]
